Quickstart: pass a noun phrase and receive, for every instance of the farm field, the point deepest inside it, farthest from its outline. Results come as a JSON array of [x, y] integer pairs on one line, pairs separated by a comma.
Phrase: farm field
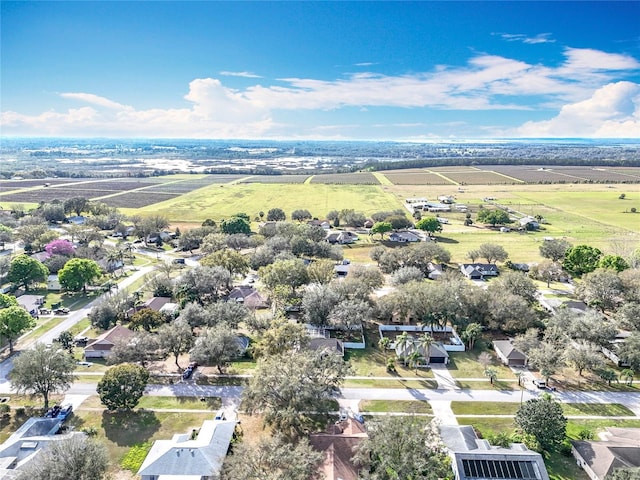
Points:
[[581, 212], [511, 174], [223, 201]]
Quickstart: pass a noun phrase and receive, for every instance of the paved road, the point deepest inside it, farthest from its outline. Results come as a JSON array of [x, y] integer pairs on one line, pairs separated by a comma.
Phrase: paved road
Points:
[[70, 320], [232, 394]]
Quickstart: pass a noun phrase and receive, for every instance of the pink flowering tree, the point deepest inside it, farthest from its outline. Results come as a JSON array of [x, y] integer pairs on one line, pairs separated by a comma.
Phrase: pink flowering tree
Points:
[[59, 247]]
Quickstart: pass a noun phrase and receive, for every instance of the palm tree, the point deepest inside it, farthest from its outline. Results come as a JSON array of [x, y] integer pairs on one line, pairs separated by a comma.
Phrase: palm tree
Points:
[[471, 333], [627, 374], [424, 343], [492, 373], [114, 259], [415, 358], [383, 344], [485, 359], [403, 342]]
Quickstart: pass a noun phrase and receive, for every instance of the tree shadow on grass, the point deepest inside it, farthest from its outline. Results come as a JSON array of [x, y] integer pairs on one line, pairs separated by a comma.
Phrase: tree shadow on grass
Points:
[[126, 429]]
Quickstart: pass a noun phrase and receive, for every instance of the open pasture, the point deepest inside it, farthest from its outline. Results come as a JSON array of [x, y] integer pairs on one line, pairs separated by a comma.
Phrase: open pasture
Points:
[[223, 201]]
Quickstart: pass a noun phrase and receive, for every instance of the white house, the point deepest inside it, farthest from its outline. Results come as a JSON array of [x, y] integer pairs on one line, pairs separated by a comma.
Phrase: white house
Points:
[[53, 283]]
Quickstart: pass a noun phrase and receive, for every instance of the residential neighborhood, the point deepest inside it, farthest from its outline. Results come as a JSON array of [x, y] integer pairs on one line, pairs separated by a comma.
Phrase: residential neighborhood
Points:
[[207, 318]]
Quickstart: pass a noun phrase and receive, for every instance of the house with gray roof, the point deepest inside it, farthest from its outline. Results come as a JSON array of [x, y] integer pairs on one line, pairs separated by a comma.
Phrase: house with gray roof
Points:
[[478, 271], [509, 355], [473, 458], [27, 442], [619, 448], [191, 456]]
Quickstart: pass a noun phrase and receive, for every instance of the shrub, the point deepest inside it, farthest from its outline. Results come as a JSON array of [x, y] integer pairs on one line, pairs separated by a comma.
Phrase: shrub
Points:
[[135, 456], [586, 434]]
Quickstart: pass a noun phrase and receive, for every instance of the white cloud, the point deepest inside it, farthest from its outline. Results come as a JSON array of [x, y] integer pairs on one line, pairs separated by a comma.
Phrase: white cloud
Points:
[[521, 37], [589, 59], [239, 74], [612, 111], [486, 82], [95, 100]]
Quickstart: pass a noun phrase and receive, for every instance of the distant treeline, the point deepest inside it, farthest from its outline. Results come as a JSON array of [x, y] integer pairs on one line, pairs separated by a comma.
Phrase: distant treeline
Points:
[[376, 165]]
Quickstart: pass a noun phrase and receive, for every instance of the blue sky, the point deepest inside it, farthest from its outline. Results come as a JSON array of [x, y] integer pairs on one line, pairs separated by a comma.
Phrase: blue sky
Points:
[[321, 70]]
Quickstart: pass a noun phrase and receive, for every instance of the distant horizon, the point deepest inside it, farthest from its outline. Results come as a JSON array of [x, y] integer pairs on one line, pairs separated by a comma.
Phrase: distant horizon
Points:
[[357, 140], [420, 72]]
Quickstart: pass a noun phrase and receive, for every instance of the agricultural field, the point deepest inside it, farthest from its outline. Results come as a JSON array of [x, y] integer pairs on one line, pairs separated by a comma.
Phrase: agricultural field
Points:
[[415, 177], [511, 174], [364, 178], [275, 179], [223, 201]]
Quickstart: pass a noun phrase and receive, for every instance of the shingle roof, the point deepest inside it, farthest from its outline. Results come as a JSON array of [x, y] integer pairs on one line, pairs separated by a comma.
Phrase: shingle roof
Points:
[[508, 350], [339, 447], [183, 456], [108, 339], [621, 449]]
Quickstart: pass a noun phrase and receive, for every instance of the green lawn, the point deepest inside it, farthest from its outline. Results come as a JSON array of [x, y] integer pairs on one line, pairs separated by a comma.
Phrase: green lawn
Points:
[[570, 409], [404, 406], [44, 324], [486, 385], [371, 361], [466, 365], [122, 430], [163, 403], [393, 383]]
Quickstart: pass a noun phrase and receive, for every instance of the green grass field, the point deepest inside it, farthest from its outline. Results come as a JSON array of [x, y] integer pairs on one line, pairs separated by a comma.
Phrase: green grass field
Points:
[[223, 201]]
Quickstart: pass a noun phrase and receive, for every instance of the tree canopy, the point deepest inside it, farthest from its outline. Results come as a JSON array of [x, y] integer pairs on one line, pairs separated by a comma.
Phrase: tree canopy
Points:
[[122, 386], [216, 346], [429, 224], [272, 459], [24, 271], [543, 418], [402, 447], [43, 371], [290, 389], [77, 457], [77, 273], [581, 259], [493, 217], [14, 320]]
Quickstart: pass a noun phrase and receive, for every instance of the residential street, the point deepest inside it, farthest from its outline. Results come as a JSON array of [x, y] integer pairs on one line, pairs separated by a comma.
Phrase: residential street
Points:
[[74, 317]]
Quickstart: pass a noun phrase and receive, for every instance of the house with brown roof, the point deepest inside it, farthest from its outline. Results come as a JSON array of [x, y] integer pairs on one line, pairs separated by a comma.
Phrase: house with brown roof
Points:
[[619, 448], [338, 445], [508, 354], [101, 346], [248, 296]]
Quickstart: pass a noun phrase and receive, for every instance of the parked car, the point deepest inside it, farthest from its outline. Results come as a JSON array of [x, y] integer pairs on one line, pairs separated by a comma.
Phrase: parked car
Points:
[[61, 311], [187, 373], [540, 383], [84, 364]]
